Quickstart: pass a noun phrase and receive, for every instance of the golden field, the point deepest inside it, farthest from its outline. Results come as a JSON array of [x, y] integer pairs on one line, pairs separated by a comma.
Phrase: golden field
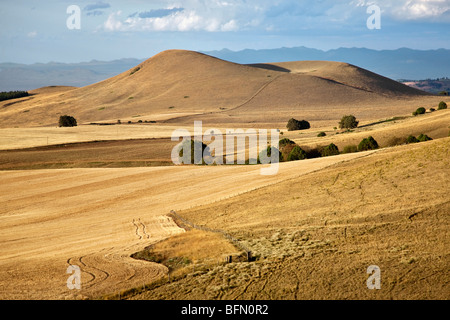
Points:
[[96, 195]]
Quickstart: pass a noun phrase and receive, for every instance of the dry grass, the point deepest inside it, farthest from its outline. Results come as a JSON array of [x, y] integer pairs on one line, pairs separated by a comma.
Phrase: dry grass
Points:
[[181, 86], [318, 234], [192, 247], [314, 227]]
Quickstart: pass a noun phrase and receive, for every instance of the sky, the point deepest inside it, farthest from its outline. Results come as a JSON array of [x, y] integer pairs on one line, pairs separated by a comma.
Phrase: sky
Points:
[[34, 31]]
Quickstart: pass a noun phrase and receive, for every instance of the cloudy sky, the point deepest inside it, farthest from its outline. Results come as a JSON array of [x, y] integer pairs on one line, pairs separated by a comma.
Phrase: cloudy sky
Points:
[[37, 31]]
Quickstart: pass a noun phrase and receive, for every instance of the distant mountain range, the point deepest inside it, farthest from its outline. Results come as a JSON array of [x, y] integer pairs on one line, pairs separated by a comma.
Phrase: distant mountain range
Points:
[[395, 64]]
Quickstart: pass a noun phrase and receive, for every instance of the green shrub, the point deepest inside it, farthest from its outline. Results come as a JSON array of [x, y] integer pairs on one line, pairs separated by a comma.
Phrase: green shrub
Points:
[[420, 110], [350, 149], [284, 142], [135, 70], [423, 137], [411, 139], [296, 153], [312, 153], [67, 121], [368, 144], [195, 159], [442, 105], [322, 134], [267, 153], [294, 125], [348, 122], [330, 150]]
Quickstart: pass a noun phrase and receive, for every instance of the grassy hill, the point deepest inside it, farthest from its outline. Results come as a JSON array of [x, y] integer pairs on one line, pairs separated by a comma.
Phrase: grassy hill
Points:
[[178, 86]]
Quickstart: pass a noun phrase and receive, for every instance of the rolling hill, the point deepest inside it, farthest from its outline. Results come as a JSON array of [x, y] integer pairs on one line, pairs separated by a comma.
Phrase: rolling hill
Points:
[[178, 86]]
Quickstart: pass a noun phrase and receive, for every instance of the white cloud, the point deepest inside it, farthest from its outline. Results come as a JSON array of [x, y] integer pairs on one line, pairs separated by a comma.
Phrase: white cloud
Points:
[[32, 34], [238, 15], [407, 10], [190, 15]]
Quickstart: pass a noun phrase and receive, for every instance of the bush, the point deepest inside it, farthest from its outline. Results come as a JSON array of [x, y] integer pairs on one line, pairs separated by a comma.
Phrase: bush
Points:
[[442, 105], [432, 109], [193, 144], [443, 93], [411, 139], [296, 153], [7, 95], [268, 152], [348, 122], [67, 121], [284, 142], [294, 125], [350, 149], [423, 138], [368, 144], [322, 134], [419, 111], [135, 70], [330, 150]]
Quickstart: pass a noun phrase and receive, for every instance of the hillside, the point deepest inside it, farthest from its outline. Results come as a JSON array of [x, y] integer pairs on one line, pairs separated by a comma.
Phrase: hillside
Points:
[[319, 232], [178, 86]]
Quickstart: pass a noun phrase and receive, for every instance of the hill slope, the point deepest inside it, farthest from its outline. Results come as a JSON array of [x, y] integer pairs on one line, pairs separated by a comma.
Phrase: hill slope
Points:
[[176, 84]]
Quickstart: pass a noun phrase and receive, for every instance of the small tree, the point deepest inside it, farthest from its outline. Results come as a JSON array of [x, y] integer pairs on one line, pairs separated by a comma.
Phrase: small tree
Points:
[[195, 159], [284, 142], [423, 138], [368, 144], [294, 125], [442, 105], [411, 139], [296, 153], [67, 121], [265, 155], [330, 150], [348, 122], [419, 111]]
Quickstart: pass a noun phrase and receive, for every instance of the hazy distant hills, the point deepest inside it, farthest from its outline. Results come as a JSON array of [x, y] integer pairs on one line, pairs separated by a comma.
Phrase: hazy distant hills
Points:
[[395, 64], [15, 76]]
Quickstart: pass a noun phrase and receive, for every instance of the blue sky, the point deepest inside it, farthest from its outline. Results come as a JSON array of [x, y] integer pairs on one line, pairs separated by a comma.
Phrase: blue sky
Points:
[[36, 31]]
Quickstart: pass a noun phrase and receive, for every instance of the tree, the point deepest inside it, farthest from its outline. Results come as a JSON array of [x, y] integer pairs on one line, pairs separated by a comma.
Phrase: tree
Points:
[[368, 144], [296, 153], [411, 139], [294, 125], [194, 144], [284, 142], [419, 111], [7, 95], [264, 156], [442, 105], [423, 138], [67, 121], [330, 150], [348, 122]]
